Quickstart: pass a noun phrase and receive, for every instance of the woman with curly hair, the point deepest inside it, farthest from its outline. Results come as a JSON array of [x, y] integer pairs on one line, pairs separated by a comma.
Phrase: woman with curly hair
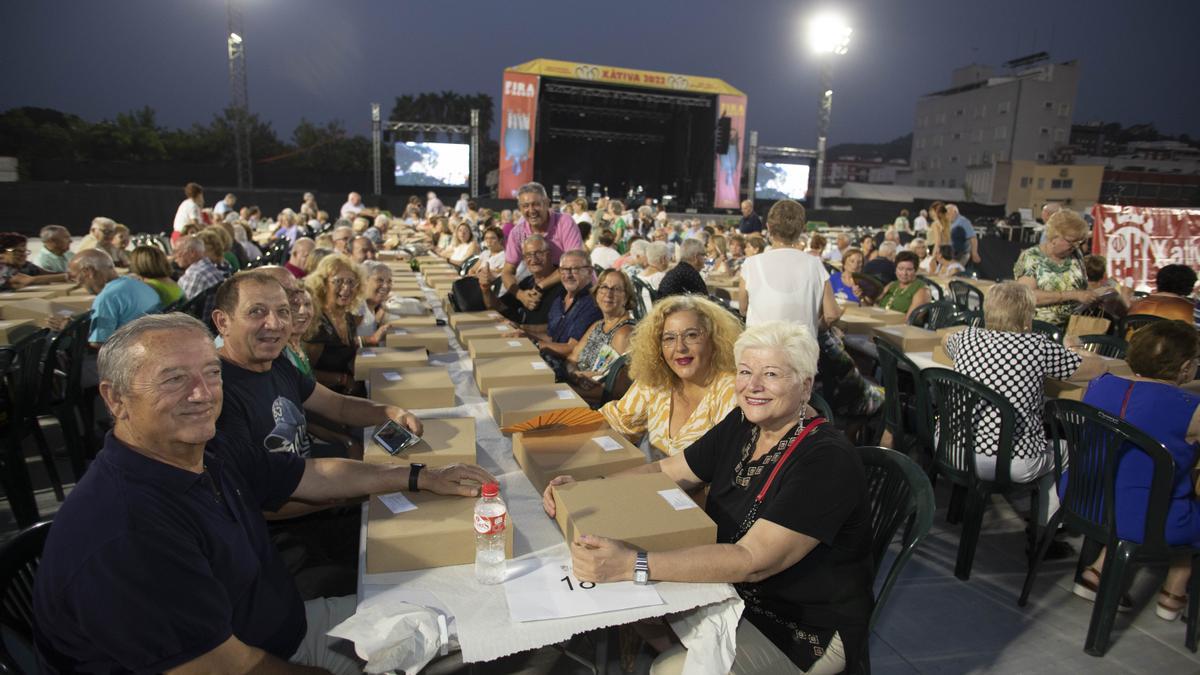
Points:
[[682, 367], [337, 286]]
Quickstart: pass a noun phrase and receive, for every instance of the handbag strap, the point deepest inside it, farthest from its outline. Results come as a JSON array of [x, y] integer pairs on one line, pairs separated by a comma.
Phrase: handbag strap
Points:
[[786, 453]]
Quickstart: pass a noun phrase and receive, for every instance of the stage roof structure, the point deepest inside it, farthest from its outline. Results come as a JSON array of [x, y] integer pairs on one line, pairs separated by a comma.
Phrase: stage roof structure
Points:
[[630, 77]]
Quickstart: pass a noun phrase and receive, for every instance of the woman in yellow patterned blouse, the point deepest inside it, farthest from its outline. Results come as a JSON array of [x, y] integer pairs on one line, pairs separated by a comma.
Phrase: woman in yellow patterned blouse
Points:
[[682, 367]]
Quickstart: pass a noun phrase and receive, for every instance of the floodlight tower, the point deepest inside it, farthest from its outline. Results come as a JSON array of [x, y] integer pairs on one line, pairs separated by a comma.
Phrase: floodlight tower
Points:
[[238, 98], [828, 34]]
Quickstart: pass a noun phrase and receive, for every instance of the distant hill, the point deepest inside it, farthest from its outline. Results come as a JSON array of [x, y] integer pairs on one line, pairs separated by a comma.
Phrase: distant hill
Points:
[[900, 148]]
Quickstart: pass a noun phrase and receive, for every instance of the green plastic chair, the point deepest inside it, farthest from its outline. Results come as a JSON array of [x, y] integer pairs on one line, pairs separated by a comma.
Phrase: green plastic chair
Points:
[[966, 296], [1105, 345], [1049, 330], [904, 405], [821, 406], [1132, 322], [1095, 441], [612, 377], [959, 403], [936, 315], [20, 558], [900, 494], [641, 290]]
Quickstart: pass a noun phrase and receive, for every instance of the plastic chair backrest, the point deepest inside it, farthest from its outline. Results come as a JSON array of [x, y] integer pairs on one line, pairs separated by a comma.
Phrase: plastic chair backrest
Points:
[[612, 377], [936, 315], [66, 355], [1048, 329], [1132, 322], [466, 295], [1105, 345], [642, 289], [960, 405], [900, 494], [965, 295], [936, 292], [891, 360], [25, 375], [19, 560], [467, 265], [821, 406], [1095, 441]]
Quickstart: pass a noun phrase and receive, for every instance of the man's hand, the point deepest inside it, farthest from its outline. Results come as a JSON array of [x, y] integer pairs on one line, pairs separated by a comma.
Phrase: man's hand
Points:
[[601, 560], [56, 323], [975, 257], [405, 419], [548, 497], [462, 480], [530, 298]]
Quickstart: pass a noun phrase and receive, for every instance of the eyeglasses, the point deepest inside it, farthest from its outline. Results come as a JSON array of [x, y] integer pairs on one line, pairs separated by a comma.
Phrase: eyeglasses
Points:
[[572, 270], [534, 254], [17, 251], [611, 289], [344, 282], [690, 338]]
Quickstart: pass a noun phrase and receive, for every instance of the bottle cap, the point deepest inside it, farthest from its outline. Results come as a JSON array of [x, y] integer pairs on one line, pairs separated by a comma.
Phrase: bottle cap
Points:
[[490, 490]]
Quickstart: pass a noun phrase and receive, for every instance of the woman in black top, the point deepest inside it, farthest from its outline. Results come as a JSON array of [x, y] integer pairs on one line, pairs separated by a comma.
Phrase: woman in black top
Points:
[[337, 287], [789, 496]]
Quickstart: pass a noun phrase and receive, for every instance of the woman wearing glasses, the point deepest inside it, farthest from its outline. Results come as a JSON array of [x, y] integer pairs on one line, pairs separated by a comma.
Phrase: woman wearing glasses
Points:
[[604, 340], [681, 365], [337, 286], [1053, 269], [15, 269]]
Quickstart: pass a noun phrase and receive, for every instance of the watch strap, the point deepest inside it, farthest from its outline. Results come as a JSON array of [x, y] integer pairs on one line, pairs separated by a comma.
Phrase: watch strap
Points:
[[414, 470], [641, 564]]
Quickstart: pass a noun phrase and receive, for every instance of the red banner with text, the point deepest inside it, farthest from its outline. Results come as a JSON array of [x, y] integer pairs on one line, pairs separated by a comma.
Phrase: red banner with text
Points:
[[729, 165], [1138, 240], [518, 114]]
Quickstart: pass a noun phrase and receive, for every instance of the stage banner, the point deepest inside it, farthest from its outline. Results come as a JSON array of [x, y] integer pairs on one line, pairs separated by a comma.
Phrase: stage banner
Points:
[[518, 112], [729, 165], [1138, 240]]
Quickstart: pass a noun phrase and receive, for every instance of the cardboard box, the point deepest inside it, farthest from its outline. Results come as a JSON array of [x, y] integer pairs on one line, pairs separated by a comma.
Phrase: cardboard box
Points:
[[443, 441], [434, 339], [427, 321], [35, 309], [1118, 367], [512, 371], [499, 347], [941, 357], [631, 509], [28, 294], [513, 405], [908, 338], [412, 388], [584, 454], [460, 320], [382, 358], [855, 324], [885, 316], [485, 332], [1063, 389], [54, 290], [438, 533], [12, 330], [414, 293]]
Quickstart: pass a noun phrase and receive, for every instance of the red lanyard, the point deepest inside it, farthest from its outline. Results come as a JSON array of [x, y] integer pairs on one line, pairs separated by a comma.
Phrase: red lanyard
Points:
[[779, 465]]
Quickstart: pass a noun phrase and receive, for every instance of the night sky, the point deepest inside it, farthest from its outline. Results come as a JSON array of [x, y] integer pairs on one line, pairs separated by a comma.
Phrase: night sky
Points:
[[326, 60]]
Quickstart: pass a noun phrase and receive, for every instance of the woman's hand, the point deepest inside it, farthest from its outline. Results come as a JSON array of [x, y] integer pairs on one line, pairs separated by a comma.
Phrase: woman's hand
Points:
[[548, 496], [601, 560]]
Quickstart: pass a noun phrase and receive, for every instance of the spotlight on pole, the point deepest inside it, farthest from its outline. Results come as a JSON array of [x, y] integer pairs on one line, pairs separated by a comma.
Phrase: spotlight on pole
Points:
[[828, 34]]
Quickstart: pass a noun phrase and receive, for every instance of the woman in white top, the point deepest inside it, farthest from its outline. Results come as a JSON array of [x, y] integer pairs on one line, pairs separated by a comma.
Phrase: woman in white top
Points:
[[464, 245], [491, 261], [189, 208], [786, 283]]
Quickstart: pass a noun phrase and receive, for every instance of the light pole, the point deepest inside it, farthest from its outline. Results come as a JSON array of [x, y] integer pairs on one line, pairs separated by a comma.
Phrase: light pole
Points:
[[828, 34], [238, 97]]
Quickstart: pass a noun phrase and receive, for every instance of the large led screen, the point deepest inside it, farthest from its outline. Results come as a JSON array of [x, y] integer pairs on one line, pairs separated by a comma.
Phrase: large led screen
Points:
[[780, 180], [433, 164]]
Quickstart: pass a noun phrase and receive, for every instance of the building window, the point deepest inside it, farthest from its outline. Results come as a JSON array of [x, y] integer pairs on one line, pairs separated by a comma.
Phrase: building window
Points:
[[1024, 181], [977, 136], [920, 145], [1060, 135], [960, 112], [937, 141], [1041, 157], [1064, 109], [1062, 184], [987, 157], [1049, 105], [954, 159], [920, 164], [951, 183], [1041, 184], [1000, 133], [1044, 131], [973, 159], [1002, 107], [957, 135]]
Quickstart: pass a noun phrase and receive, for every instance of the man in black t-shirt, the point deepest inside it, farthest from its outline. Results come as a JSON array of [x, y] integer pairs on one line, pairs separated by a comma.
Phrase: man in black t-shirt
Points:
[[536, 293], [750, 223], [685, 277]]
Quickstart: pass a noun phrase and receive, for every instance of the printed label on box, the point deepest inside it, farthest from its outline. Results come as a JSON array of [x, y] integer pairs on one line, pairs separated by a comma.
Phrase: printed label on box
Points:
[[563, 394], [514, 343], [397, 502], [607, 443], [678, 499], [500, 327], [392, 376], [367, 353], [399, 331], [539, 365]]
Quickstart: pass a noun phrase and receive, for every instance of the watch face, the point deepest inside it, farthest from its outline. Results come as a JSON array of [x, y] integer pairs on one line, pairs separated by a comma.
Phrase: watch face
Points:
[[641, 577]]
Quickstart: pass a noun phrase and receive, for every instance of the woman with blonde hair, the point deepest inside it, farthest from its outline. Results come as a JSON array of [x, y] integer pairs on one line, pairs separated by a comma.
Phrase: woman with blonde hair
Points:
[[939, 226], [462, 247], [1054, 271], [337, 286], [681, 364]]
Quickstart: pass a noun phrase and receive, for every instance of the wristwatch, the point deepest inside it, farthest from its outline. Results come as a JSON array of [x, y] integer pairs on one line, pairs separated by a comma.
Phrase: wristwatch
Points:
[[641, 569], [414, 470]]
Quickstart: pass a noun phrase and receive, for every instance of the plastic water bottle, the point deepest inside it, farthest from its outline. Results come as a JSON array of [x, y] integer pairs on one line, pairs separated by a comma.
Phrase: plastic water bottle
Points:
[[491, 519]]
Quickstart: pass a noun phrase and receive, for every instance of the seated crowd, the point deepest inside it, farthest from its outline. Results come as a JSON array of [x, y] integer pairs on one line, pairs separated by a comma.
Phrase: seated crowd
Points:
[[235, 433]]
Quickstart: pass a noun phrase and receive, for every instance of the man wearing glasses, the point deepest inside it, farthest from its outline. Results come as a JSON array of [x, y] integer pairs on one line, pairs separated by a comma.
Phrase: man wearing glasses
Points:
[[557, 229], [529, 300], [571, 312]]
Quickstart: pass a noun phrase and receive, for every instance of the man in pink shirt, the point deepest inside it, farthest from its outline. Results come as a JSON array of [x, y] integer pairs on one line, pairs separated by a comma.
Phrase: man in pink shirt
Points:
[[559, 230]]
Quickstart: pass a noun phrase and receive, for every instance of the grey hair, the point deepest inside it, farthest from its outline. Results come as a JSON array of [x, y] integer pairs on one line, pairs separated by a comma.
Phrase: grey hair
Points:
[[118, 360], [94, 259], [576, 253], [189, 243], [103, 222], [887, 248], [796, 341], [536, 238], [1009, 306], [638, 246], [343, 228], [691, 248], [374, 268], [533, 188], [657, 253], [48, 232]]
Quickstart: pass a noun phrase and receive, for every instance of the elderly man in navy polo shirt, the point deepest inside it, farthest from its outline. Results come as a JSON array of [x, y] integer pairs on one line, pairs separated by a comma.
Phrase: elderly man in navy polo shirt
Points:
[[159, 559]]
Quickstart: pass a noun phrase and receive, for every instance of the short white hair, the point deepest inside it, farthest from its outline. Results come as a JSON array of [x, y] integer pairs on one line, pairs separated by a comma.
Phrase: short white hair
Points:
[[374, 268], [796, 341], [51, 231], [887, 248], [638, 246], [690, 249], [657, 253]]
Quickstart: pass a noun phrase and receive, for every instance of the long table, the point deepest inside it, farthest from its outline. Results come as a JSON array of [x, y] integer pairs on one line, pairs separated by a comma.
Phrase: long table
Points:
[[478, 615]]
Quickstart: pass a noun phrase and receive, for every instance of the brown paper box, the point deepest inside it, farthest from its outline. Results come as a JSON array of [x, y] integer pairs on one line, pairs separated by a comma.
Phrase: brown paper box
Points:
[[512, 371], [563, 452], [884, 316], [428, 321], [443, 441], [490, 331], [12, 329], [460, 320], [415, 293], [412, 388], [513, 405], [438, 533], [11, 296], [493, 348], [54, 290], [1063, 389], [908, 338], [858, 325], [630, 509], [433, 339], [382, 358], [940, 356]]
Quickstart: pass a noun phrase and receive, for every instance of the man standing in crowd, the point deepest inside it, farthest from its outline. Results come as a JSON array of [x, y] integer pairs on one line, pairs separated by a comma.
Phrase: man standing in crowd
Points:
[[433, 205], [962, 238], [921, 222], [200, 271], [224, 206], [557, 230], [685, 277], [119, 300], [55, 253], [751, 223], [159, 559], [298, 258], [883, 265]]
